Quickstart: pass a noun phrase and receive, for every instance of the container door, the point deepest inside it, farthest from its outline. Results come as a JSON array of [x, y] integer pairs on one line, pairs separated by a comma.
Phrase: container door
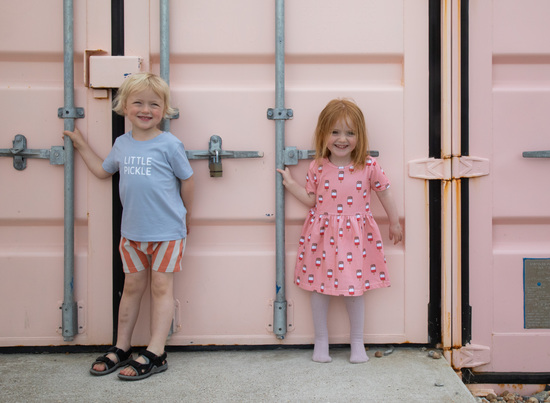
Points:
[[31, 200], [510, 219], [223, 80]]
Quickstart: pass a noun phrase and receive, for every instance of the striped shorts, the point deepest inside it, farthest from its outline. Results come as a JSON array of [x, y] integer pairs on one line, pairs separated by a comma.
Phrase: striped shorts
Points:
[[164, 257]]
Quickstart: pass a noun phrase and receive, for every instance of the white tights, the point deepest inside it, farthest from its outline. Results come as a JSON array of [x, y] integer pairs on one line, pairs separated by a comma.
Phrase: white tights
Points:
[[356, 312]]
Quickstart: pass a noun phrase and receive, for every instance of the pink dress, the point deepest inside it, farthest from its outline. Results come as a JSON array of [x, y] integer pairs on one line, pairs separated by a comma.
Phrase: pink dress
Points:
[[340, 249]]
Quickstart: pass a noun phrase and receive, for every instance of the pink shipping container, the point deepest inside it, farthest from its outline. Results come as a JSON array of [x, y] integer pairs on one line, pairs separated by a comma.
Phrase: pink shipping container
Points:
[[454, 92]]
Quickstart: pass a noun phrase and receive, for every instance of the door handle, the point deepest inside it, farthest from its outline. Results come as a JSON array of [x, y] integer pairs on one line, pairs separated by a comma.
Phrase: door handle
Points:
[[536, 154]]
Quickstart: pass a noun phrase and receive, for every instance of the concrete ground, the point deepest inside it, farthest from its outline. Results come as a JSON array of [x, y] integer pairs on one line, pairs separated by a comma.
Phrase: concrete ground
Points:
[[280, 375]]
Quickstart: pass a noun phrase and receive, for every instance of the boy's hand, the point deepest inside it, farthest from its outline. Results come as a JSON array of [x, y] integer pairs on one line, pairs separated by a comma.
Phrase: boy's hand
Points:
[[76, 137], [92, 160]]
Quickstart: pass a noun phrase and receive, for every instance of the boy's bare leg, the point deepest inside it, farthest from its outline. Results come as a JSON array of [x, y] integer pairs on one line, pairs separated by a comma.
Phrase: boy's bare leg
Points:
[[162, 313], [128, 311], [162, 297], [356, 313], [319, 308]]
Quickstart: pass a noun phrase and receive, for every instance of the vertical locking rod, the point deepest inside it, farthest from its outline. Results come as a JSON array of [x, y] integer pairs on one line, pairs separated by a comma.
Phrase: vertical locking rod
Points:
[[165, 50], [280, 305], [69, 307]]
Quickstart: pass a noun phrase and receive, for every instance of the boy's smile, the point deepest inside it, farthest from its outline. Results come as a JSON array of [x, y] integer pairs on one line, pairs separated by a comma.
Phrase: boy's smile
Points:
[[145, 110]]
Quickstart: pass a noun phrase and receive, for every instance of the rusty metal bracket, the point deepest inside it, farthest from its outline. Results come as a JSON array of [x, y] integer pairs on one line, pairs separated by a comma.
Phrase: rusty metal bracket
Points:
[[20, 153]]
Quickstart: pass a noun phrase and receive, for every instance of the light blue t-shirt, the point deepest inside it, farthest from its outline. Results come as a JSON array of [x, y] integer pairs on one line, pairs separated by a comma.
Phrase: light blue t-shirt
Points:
[[150, 173]]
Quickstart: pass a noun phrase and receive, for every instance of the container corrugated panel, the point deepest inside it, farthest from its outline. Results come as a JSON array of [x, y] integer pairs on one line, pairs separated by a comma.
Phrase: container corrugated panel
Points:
[[222, 77]]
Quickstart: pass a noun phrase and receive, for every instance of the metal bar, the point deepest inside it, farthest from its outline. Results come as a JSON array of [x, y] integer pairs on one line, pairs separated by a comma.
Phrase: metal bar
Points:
[[69, 308], [19, 152], [165, 66], [215, 153], [165, 50], [292, 155], [280, 305], [27, 153], [205, 154], [536, 154]]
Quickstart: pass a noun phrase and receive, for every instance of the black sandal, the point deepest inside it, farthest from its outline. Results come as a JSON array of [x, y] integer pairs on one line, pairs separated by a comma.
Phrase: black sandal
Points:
[[123, 358], [154, 365]]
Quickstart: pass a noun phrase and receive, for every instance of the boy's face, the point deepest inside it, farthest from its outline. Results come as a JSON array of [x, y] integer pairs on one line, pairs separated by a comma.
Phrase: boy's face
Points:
[[145, 110]]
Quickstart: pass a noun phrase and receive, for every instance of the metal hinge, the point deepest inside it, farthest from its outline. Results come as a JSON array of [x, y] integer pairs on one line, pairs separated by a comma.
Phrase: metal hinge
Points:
[[79, 319], [471, 356], [449, 168], [271, 305]]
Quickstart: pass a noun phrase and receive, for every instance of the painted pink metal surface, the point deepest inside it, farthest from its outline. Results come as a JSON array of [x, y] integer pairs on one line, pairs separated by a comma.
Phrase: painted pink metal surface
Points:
[[509, 99], [222, 80], [31, 217]]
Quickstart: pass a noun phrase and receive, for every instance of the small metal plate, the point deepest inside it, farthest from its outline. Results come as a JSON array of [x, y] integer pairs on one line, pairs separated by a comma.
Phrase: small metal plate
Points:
[[536, 290]]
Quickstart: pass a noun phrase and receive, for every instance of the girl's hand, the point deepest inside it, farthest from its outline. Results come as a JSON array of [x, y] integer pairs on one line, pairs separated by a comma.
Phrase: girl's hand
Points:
[[396, 233], [297, 190], [287, 176]]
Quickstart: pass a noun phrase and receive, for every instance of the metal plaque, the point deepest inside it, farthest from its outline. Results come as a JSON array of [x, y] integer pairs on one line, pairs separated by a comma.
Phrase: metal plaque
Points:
[[536, 291]]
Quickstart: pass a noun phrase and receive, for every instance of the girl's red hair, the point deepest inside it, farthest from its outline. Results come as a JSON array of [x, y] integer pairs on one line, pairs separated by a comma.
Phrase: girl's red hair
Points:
[[336, 110]]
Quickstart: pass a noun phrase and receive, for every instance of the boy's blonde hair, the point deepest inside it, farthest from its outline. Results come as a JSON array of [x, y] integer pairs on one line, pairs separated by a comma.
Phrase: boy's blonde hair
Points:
[[139, 82], [336, 110]]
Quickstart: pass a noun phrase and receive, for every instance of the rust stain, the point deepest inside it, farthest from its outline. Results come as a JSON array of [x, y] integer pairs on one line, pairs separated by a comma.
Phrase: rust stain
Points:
[[457, 288]]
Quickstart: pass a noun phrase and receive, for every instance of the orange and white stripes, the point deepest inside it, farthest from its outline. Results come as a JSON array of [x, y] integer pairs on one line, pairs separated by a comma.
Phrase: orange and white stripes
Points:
[[164, 257]]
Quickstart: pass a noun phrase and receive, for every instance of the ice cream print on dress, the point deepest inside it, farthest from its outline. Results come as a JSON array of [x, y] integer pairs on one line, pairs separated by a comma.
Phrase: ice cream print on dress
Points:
[[340, 249]]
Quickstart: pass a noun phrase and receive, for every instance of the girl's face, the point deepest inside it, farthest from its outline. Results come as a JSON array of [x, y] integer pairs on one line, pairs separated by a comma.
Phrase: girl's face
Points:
[[145, 110], [341, 142]]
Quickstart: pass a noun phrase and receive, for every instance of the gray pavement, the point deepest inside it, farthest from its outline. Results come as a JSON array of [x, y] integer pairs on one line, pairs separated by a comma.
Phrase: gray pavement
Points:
[[280, 375]]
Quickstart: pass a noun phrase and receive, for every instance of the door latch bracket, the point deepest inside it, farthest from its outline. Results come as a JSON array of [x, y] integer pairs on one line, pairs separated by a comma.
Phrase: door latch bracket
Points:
[[292, 155], [70, 113], [20, 153], [449, 168], [215, 153], [471, 356], [280, 114]]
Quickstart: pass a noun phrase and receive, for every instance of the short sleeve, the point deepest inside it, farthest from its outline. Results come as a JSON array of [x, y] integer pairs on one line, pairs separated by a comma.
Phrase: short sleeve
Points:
[[110, 163], [180, 163], [378, 179], [311, 178]]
